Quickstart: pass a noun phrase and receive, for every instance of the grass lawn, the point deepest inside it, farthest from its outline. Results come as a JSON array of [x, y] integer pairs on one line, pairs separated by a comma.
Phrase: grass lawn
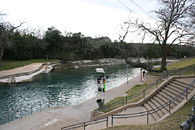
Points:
[[134, 90], [186, 63], [138, 88], [182, 64], [171, 123], [6, 65]]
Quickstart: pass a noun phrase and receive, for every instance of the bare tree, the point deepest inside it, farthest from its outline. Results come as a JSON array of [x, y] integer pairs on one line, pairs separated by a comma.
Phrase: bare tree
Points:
[[171, 24], [6, 31], [123, 32], [191, 26]]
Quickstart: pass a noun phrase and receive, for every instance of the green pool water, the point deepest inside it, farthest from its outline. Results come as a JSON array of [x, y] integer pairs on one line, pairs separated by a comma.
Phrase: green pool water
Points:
[[70, 86]]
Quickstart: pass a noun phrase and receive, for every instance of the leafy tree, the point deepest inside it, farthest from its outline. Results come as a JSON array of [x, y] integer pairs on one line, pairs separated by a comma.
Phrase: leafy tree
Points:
[[108, 51], [54, 39], [6, 32]]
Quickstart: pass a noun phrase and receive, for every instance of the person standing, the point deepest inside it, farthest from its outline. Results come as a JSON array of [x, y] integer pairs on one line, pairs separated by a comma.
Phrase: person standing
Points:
[[104, 84], [144, 73]]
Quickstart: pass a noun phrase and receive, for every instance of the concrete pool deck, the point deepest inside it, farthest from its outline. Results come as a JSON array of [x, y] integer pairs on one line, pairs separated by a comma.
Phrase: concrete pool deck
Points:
[[24, 73], [57, 117], [23, 69]]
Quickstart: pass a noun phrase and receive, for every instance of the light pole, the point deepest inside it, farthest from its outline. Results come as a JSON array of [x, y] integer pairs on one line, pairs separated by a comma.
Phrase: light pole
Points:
[[141, 74], [127, 73]]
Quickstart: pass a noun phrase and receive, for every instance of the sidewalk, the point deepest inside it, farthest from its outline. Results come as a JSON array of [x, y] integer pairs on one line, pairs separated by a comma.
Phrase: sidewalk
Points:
[[58, 117], [23, 69]]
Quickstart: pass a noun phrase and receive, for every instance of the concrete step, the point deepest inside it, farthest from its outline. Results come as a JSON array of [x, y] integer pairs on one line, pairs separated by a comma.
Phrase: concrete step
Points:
[[185, 81], [169, 95], [175, 93], [155, 116], [176, 89], [182, 84], [160, 112], [159, 102], [181, 88], [164, 97], [172, 91]]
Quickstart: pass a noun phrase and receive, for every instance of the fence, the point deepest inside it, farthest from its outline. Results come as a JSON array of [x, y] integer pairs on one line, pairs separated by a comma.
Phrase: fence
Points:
[[85, 124], [21, 111], [134, 115], [165, 75], [150, 112]]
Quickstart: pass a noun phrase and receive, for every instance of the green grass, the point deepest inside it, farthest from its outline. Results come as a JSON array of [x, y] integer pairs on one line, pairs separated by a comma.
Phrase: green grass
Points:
[[6, 65], [182, 64], [186, 63], [171, 123], [136, 89]]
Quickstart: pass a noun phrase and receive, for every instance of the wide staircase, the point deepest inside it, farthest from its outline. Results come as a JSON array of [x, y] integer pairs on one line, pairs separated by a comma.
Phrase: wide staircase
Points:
[[165, 94], [160, 103]]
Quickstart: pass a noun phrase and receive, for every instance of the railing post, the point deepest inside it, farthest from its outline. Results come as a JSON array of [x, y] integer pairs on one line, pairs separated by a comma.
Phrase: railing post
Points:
[[84, 125], [167, 75], [107, 122], [8, 114], [40, 105], [187, 93], [156, 84], [31, 109], [49, 102], [112, 120], [180, 71], [194, 71], [144, 93], [126, 100], [20, 112], [170, 107], [147, 117], [123, 102]]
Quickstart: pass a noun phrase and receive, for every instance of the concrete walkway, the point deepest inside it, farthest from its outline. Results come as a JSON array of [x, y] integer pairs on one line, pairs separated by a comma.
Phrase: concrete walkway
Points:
[[24, 73], [58, 117], [23, 69], [140, 108]]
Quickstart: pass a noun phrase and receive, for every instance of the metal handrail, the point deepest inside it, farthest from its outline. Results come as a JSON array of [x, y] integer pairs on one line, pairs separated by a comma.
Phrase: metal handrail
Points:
[[113, 104], [135, 95], [168, 103], [165, 75], [28, 109], [145, 113], [85, 124]]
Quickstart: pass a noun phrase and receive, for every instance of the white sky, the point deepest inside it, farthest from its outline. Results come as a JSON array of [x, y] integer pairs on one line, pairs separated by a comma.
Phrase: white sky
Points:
[[90, 17]]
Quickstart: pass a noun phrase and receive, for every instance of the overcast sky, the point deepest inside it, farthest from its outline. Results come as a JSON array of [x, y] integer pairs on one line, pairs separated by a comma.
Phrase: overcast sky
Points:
[[91, 17]]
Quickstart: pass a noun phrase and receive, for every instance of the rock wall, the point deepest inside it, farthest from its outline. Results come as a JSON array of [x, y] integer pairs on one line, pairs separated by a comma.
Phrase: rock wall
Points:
[[84, 63]]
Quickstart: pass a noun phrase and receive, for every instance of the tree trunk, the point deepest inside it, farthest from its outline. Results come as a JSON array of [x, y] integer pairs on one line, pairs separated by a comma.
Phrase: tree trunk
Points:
[[139, 64], [164, 57], [1, 55]]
